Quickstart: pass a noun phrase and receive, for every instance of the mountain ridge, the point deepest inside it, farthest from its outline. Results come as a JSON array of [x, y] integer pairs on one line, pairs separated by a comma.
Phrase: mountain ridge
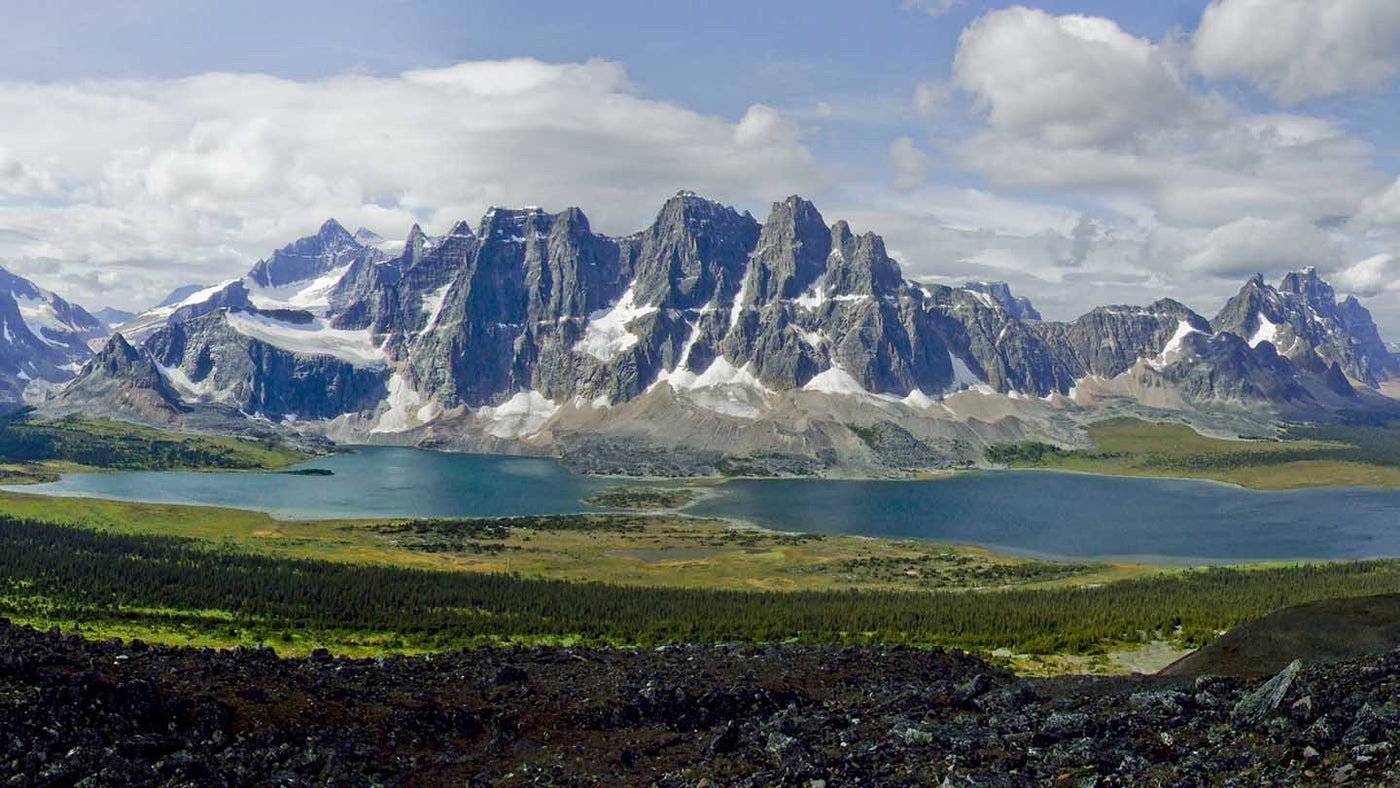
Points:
[[727, 336]]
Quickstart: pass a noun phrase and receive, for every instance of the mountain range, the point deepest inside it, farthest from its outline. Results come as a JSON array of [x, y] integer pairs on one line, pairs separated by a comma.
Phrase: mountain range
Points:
[[708, 341]]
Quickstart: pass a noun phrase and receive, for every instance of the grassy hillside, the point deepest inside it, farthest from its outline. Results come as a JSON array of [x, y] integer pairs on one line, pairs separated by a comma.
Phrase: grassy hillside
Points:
[[181, 590], [34, 450], [1307, 456], [643, 550]]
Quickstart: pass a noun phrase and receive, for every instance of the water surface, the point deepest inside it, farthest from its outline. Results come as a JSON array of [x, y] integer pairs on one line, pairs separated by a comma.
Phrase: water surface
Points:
[[1025, 512]]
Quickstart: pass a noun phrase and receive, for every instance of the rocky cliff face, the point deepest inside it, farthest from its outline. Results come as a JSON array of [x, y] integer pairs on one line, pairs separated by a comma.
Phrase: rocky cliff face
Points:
[[999, 293], [774, 339], [1302, 316], [44, 339], [121, 380]]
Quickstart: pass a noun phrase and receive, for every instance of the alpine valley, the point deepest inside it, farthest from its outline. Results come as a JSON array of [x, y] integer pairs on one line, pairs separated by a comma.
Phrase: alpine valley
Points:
[[707, 343]]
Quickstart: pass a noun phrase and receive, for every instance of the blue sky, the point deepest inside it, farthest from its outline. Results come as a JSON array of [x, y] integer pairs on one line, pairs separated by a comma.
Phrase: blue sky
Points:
[[1087, 152]]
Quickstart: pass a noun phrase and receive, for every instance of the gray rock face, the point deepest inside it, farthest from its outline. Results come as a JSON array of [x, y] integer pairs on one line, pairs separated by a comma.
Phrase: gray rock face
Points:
[[125, 380], [1018, 307], [1302, 315], [309, 257], [792, 253], [1042, 358], [213, 361], [517, 299], [710, 322], [1224, 367], [43, 338], [1255, 707]]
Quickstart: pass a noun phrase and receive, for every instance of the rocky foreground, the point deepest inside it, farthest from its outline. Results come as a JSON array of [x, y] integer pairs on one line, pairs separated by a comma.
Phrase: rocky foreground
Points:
[[77, 712]]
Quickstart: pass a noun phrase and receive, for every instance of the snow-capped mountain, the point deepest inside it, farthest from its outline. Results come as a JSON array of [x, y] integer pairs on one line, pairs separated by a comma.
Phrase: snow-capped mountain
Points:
[[44, 339], [712, 335], [113, 317], [1302, 317]]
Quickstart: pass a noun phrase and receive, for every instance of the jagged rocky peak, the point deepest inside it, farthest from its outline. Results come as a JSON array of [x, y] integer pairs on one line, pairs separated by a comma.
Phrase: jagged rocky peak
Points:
[[1223, 367], [120, 380], [506, 224], [367, 237], [999, 293], [1241, 314], [332, 234], [528, 314], [413, 245], [1310, 286], [863, 268], [792, 252], [43, 339], [331, 247], [120, 359], [696, 253], [49, 315], [1302, 315], [1170, 307]]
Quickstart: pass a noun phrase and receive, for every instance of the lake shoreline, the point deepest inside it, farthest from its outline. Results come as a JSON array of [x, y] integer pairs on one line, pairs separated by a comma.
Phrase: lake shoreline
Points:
[[1042, 513]]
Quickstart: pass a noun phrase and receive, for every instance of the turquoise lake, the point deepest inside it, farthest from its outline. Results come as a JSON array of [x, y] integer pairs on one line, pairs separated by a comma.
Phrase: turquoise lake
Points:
[[1024, 512]]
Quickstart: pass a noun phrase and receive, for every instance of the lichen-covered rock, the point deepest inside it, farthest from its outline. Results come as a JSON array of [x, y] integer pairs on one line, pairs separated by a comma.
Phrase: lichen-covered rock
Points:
[[1259, 704]]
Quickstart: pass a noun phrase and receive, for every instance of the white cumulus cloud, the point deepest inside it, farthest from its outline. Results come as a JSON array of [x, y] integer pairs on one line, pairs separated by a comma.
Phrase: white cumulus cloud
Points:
[[1373, 276], [1253, 245], [909, 163], [1066, 80], [1075, 104], [161, 182], [1296, 49]]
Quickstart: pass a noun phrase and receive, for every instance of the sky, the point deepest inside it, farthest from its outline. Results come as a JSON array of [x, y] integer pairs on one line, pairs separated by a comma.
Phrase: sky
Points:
[[1085, 152]]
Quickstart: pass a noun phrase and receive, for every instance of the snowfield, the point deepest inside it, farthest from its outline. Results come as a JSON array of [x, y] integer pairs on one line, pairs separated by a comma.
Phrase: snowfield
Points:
[[311, 339], [520, 416], [606, 335], [1267, 332], [312, 296]]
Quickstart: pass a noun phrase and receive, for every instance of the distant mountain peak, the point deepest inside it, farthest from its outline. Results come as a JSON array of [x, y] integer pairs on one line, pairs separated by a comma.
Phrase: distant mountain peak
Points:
[[180, 294], [368, 237], [333, 231], [123, 380], [1000, 292]]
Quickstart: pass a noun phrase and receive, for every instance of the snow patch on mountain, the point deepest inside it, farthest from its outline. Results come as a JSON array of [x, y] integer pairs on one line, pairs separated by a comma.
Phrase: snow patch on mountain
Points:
[[606, 335], [195, 391], [1173, 346], [39, 315], [737, 307], [314, 338], [197, 297], [432, 305], [835, 380], [312, 296], [520, 416], [963, 376], [985, 298], [816, 294], [721, 388], [143, 325], [1267, 332], [407, 407]]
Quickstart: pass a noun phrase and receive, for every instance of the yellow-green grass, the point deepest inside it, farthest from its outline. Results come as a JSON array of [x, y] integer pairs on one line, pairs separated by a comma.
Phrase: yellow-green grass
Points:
[[667, 551], [214, 629], [1131, 447], [36, 450], [264, 455]]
